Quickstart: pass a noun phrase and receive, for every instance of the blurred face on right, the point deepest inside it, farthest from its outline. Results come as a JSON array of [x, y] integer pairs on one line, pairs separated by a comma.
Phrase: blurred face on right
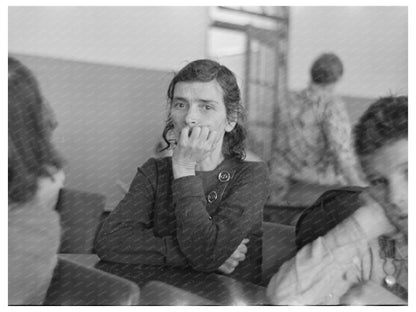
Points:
[[386, 170]]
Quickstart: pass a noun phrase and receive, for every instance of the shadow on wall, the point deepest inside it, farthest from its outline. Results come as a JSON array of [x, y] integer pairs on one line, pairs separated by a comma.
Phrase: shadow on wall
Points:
[[110, 118]]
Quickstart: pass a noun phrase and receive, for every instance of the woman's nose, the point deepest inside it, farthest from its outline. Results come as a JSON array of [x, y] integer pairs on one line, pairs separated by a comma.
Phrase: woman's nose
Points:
[[192, 117]]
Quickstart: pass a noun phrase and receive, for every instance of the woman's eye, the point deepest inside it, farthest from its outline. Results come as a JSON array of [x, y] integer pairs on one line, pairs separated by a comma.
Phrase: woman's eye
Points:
[[179, 105]]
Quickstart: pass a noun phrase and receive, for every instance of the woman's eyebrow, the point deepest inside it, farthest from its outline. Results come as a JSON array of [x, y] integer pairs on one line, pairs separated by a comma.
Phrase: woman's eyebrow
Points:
[[179, 98], [208, 101]]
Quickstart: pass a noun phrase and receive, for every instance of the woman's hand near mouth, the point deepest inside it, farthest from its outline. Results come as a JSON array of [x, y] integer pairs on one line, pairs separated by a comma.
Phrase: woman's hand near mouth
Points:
[[194, 145]]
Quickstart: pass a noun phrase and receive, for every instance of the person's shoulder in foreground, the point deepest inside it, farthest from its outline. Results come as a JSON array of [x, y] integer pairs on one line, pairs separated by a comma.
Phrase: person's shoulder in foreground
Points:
[[346, 265], [34, 180]]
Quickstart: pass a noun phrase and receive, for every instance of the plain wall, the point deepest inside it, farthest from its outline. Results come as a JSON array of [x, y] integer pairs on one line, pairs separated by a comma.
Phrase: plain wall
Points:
[[163, 38], [371, 41], [105, 71], [110, 119]]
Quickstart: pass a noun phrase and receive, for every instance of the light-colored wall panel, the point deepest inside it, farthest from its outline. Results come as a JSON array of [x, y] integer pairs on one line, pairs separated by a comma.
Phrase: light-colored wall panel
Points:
[[371, 41], [110, 119], [145, 37]]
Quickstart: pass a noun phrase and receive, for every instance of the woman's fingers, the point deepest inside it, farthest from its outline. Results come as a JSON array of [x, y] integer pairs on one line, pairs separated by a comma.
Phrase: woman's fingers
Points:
[[224, 269], [195, 133], [185, 132], [212, 140], [212, 136], [201, 138], [239, 256], [231, 264], [228, 266], [204, 133], [242, 248], [240, 253], [195, 144]]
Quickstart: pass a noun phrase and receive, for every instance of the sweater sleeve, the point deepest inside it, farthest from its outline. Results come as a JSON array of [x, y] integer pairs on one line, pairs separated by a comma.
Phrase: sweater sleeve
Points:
[[127, 234], [208, 241], [324, 270]]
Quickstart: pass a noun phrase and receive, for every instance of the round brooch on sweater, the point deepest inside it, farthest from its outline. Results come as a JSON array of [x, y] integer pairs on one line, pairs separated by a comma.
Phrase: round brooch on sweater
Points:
[[224, 176], [212, 197]]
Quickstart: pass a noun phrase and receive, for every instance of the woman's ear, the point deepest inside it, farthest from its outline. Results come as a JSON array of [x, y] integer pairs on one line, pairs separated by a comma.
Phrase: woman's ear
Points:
[[231, 122], [230, 126]]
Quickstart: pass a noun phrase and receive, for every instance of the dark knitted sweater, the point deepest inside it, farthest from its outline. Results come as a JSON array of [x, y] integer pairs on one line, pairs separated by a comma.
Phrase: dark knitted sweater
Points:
[[194, 221]]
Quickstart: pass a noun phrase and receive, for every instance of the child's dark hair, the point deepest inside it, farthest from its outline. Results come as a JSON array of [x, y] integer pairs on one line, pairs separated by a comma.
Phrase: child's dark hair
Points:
[[384, 122]]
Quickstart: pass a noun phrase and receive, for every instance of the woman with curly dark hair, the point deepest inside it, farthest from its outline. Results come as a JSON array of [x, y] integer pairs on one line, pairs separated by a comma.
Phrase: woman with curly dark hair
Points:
[[202, 207], [35, 177]]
